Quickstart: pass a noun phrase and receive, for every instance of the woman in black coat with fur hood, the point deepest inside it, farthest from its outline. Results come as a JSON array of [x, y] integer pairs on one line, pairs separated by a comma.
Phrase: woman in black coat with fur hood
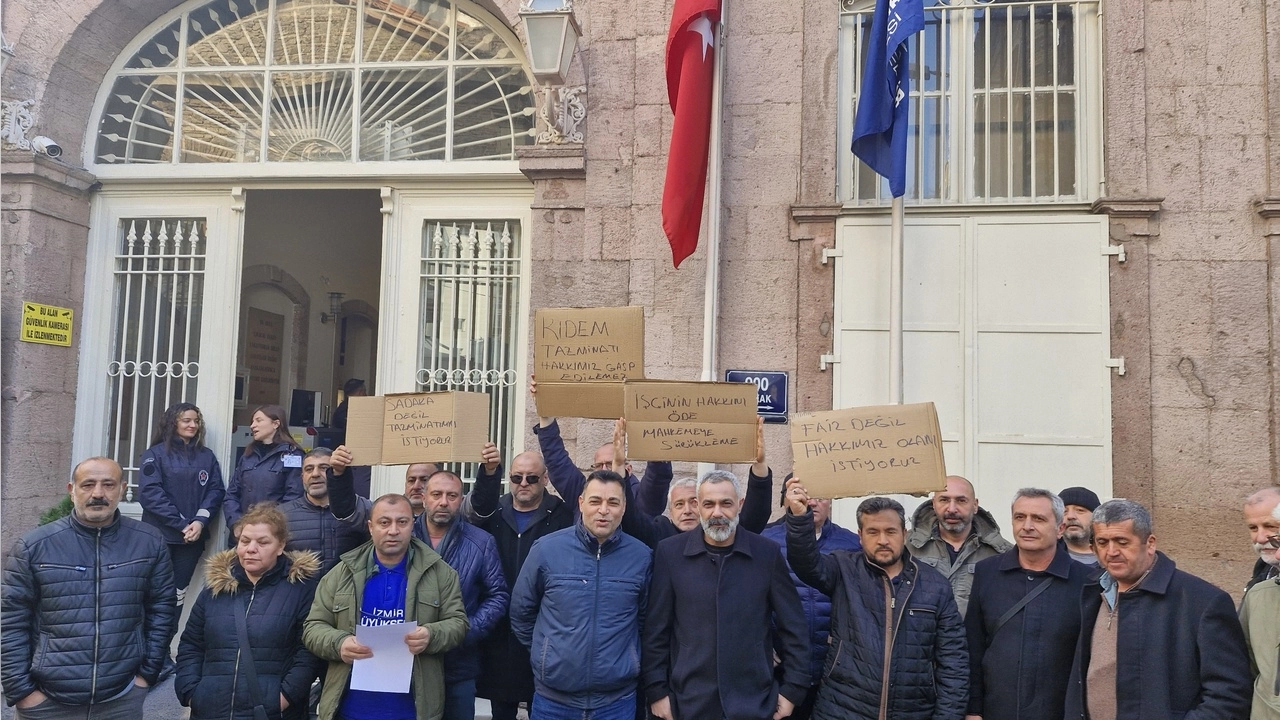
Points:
[[272, 591]]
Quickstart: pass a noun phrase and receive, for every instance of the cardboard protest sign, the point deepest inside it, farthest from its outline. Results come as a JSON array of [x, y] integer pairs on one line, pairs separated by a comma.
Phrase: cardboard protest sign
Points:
[[691, 421], [869, 451], [581, 356], [417, 427]]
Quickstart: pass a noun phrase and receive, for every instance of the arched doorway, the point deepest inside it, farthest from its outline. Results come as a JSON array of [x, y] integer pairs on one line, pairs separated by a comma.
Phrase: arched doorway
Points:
[[335, 140]]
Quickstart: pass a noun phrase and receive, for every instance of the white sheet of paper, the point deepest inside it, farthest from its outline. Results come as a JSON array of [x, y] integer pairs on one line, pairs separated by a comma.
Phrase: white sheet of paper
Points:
[[391, 667]]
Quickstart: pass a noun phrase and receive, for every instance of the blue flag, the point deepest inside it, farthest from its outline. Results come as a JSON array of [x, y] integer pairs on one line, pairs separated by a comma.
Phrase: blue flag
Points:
[[880, 128]]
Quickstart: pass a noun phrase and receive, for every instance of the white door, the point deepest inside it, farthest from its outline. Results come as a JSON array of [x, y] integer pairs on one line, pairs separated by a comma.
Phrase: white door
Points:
[[455, 300], [1006, 330], [159, 322]]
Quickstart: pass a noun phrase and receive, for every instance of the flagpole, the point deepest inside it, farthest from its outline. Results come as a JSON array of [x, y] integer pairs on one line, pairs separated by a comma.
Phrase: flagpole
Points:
[[895, 303], [711, 295], [711, 291]]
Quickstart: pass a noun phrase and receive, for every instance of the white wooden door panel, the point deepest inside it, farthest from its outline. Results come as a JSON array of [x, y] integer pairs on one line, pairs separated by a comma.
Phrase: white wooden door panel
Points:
[[1005, 330]]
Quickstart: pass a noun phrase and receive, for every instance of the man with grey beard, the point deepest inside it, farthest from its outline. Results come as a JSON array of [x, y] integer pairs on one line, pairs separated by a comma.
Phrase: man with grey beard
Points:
[[721, 590], [1262, 517]]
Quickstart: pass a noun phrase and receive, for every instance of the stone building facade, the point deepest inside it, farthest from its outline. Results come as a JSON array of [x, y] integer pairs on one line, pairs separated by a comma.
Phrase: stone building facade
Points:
[[1185, 150]]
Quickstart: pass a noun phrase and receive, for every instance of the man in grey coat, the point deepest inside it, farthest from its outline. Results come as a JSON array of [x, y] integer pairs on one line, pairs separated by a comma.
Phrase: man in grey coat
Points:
[[952, 534]]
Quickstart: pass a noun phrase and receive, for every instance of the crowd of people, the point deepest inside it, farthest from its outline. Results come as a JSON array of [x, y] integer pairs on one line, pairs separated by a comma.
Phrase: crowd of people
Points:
[[616, 597]]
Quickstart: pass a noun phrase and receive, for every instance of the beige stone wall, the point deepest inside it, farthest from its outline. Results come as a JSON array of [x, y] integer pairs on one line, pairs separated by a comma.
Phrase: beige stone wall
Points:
[[60, 61], [599, 241], [1188, 157], [44, 219]]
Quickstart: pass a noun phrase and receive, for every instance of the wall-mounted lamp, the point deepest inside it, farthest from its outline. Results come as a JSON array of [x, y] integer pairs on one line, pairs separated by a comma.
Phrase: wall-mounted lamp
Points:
[[335, 308], [552, 33]]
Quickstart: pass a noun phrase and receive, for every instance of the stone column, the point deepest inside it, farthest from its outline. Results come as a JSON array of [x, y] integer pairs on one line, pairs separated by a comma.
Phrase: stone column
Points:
[[556, 239], [1134, 223], [45, 206], [813, 230]]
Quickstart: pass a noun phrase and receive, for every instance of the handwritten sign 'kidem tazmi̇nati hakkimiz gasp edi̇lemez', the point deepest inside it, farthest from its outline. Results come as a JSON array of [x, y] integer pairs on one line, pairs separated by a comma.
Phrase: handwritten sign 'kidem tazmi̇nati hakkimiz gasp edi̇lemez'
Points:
[[690, 421], [581, 357], [417, 427], [869, 451]]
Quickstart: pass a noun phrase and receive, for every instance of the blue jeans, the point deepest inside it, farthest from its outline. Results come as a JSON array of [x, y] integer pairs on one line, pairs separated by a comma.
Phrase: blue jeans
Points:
[[460, 700], [544, 709]]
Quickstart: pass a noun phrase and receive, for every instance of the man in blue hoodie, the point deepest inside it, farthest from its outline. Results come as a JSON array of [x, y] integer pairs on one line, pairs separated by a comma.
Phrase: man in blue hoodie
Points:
[[579, 604]]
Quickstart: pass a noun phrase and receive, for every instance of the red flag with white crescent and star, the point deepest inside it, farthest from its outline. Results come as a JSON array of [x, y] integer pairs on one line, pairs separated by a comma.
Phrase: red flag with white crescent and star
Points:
[[691, 59]]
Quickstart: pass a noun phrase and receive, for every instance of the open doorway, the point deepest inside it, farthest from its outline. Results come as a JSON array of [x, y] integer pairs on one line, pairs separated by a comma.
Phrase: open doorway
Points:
[[309, 298]]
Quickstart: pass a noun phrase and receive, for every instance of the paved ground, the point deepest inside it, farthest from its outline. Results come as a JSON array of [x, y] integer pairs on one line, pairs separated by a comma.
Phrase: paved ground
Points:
[[162, 704]]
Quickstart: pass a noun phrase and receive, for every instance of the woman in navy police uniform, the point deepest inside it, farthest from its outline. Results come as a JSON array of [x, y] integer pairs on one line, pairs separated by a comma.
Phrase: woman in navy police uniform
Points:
[[270, 469], [180, 488]]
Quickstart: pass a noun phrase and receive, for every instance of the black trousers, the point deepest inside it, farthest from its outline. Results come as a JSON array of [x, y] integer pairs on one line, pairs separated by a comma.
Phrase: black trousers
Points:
[[185, 558]]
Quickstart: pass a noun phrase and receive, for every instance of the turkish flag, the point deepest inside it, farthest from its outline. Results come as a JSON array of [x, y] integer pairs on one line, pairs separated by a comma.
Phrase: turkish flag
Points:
[[690, 72]]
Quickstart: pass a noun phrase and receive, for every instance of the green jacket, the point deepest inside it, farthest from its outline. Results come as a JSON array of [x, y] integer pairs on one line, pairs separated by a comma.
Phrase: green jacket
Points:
[[1258, 613], [433, 599], [928, 547]]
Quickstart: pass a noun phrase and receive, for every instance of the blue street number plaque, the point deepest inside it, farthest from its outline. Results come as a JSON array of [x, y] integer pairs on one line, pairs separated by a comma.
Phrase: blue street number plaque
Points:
[[772, 392]]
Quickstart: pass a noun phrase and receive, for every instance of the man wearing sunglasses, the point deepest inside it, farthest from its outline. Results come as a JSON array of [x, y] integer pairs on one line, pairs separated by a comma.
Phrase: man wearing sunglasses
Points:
[[515, 520]]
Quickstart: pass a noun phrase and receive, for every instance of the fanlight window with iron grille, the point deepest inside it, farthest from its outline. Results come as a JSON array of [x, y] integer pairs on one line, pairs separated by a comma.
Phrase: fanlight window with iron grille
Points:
[[250, 81]]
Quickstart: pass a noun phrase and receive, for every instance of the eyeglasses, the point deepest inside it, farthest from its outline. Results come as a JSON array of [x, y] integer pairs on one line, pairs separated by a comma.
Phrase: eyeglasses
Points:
[[525, 479], [1274, 541]]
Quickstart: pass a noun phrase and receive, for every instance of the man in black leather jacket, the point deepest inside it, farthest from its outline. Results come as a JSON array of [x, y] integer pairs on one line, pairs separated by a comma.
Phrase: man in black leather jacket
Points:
[[88, 607]]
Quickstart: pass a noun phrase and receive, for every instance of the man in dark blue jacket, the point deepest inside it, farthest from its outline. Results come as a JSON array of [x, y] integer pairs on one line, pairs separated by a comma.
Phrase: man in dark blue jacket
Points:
[[88, 607], [579, 604], [897, 647], [1155, 642], [311, 525], [817, 606], [470, 551], [708, 636], [1024, 617]]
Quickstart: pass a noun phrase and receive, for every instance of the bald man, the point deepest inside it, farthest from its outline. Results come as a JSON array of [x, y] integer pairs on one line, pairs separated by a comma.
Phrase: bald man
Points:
[[952, 533], [515, 520]]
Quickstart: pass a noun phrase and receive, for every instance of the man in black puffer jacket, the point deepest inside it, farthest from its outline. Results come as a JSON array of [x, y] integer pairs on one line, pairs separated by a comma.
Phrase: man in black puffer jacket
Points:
[[897, 646], [88, 607], [515, 520], [311, 525]]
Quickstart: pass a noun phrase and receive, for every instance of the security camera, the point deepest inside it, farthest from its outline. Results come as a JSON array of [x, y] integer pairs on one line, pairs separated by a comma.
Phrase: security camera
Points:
[[42, 144]]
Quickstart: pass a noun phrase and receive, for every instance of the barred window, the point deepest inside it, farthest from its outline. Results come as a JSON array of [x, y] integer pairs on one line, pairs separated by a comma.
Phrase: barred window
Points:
[[469, 311], [1005, 103], [159, 304]]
